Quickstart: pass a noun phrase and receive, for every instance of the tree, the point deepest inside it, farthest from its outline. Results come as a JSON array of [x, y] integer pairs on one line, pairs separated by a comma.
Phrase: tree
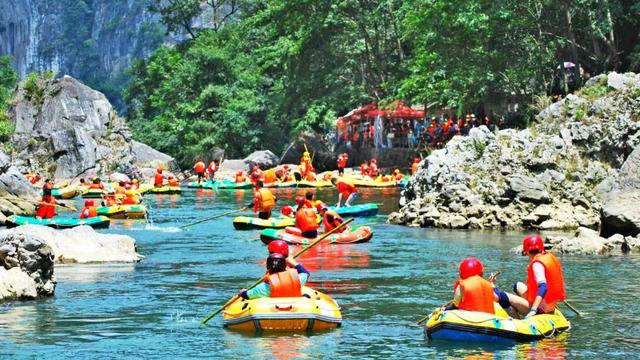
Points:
[[177, 14]]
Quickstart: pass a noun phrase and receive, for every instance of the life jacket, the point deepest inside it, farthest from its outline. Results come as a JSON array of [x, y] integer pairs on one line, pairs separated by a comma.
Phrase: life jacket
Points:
[[110, 199], [330, 225], [342, 161], [477, 295], [270, 176], [199, 167], [306, 219], [373, 170], [399, 177], [240, 179], [96, 186], [174, 182], [120, 190], [345, 187], [88, 212], [553, 274], [130, 200], [364, 169], [212, 168], [46, 208], [266, 200], [414, 168], [285, 284], [158, 180]]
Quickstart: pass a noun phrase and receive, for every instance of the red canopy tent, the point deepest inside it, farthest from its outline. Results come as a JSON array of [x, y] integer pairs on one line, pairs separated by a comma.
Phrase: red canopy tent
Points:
[[397, 110]]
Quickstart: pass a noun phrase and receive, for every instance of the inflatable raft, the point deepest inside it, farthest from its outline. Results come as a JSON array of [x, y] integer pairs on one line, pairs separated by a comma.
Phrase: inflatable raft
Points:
[[313, 184], [473, 326], [123, 211], [231, 185], [202, 185], [58, 222], [368, 209], [278, 185], [250, 223], [292, 235], [67, 192], [313, 311], [166, 190], [374, 183], [93, 193]]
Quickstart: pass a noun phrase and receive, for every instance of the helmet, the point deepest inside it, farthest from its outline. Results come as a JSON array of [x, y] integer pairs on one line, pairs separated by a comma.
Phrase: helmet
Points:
[[320, 206], [470, 267], [276, 263], [129, 193], [286, 210], [306, 153], [373, 161], [532, 242], [396, 171], [88, 203], [239, 173], [134, 181], [299, 200], [279, 247]]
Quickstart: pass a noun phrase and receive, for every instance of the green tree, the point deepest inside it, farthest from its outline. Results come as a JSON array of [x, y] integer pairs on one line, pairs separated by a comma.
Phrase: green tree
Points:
[[8, 81]]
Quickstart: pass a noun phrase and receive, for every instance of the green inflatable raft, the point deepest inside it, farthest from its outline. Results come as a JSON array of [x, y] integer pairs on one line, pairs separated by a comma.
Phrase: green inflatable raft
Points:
[[58, 222]]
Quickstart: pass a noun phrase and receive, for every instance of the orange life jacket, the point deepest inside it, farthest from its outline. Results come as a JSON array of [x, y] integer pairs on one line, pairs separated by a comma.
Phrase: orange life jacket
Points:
[[265, 201], [240, 179], [130, 200], [120, 190], [306, 219], [96, 186], [414, 168], [46, 208], [285, 284], [110, 199], [477, 295], [330, 225], [199, 167], [88, 212], [158, 180], [270, 176], [174, 182], [553, 274]]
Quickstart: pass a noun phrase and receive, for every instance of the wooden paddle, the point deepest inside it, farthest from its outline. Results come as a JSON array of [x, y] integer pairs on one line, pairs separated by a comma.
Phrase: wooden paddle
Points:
[[58, 205], [302, 251], [213, 217], [572, 308]]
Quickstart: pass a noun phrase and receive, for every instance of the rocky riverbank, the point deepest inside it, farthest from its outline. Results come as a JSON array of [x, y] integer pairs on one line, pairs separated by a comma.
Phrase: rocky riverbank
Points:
[[576, 166]]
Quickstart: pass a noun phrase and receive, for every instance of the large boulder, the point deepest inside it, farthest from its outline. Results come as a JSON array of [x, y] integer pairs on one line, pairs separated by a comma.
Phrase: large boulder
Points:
[[26, 266], [621, 214], [629, 176], [588, 242], [65, 129], [83, 244], [323, 158], [528, 189], [148, 157], [232, 166], [17, 196], [265, 159]]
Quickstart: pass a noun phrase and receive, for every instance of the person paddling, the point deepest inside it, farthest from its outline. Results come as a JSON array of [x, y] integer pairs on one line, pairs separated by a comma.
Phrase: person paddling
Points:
[[263, 201], [89, 210], [330, 218], [46, 209], [280, 281], [158, 178], [306, 219], [545, 282]]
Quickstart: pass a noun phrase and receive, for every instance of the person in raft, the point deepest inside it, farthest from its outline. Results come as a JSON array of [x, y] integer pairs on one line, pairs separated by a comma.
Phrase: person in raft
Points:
[[306, 219], [414, 166], [89, 210], [545, 283], [330, 218], [199, 168], [342, 163], [158, 178], [173, 182], [212, 169], [130, 198], [46, 209], [278, 246], [346, 191], [263, 201], [287, 211], [240, 178], [472, 292], [280, 281], [96, 184]]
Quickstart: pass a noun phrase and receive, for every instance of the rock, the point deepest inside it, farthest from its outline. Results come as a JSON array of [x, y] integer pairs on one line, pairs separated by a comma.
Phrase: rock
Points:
[[71, 131], [83, 244], [17, 196], [232, 166], [148, 157], [29, 261], [621, 214], [617, 81], [585, 242], [629, 175], [528, 189], [598, 79], [323, 158], [265, 159]]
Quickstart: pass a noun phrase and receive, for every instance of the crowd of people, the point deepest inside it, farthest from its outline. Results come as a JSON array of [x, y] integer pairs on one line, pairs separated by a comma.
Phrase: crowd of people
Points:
[[431, 132]]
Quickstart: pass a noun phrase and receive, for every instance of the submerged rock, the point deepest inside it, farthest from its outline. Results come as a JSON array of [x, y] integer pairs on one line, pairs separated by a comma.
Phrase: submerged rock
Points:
[[83, 244], [27, 266]]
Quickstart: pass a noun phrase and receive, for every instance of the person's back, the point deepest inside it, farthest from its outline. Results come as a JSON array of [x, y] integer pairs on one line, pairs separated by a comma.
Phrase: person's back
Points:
[[307, 222], [280, 281], [89, 210]]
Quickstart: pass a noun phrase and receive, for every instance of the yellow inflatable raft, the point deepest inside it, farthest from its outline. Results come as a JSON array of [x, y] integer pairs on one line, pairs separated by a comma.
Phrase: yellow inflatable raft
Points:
[[313, 311], [466, 326], [168, 190]]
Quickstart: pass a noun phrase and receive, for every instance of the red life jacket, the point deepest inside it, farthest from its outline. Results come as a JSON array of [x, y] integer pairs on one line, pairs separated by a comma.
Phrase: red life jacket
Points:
[[364, 169], [199, 167], [174, 182], [46, 208], [130, 200], [373, 170], [555, 280], [342, 161], [306, 219], [285, 284], [330, 225], [477, 295], [158, 180], [88, 212], [96, 186], [345, 188], [212, 168]]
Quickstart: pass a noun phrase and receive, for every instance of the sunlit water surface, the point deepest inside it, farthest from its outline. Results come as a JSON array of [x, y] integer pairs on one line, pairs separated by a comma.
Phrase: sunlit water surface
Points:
[[153, 309]]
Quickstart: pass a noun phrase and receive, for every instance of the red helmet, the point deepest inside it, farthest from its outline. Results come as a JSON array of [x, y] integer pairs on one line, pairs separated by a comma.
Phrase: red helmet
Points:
[[279, 247], [299, 200], [470, 267], [416, 160], [320, 205], [373, 161], [532, 242], [239, 173], [88, 203], [286, 210]]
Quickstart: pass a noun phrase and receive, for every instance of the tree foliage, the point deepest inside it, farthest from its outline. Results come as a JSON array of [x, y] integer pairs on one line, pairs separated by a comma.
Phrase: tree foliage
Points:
[[8, 81], [272, 68]]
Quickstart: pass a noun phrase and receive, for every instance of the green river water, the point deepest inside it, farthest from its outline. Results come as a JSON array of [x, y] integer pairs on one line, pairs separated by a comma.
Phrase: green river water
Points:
[[153, 309]]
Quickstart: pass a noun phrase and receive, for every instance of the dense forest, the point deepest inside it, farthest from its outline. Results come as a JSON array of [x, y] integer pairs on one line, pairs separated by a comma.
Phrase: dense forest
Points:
[[266, 70]]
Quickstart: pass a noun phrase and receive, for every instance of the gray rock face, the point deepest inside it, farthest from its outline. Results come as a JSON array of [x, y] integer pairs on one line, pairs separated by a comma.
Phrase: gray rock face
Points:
[[265, 159], [588, 242], [621, 214], [554, 175], [230, 166], [29, 262], [323, 158], [148, 157], [71, 131], [17, 196]]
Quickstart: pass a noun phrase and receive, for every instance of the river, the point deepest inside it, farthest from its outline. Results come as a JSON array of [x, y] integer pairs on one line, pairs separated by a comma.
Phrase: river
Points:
[[153, 309]]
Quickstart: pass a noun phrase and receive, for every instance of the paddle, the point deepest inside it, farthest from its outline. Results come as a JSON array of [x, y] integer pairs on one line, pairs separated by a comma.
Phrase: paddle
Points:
[[572, 308], [61, 205], [213, 217], [424, 318], [302, 251]]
